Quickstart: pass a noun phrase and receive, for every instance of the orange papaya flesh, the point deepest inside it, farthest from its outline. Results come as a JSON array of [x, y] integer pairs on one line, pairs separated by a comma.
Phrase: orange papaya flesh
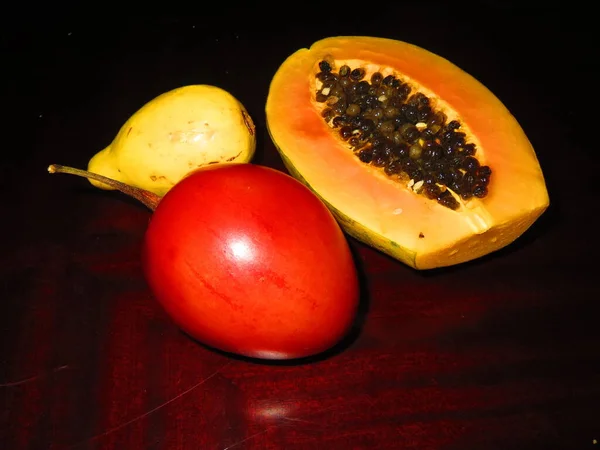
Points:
[[383, 212]]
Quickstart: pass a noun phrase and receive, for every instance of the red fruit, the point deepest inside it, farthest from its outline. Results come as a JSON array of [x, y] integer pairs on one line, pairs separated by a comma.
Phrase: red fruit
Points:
[[248, 260]]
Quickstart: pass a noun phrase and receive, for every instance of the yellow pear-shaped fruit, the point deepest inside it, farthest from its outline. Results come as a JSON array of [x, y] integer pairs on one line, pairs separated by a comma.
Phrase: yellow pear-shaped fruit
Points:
[[174, 133]]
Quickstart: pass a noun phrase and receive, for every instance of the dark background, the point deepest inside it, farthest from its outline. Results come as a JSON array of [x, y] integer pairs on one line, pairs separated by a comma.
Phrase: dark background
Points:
[[499, 353]]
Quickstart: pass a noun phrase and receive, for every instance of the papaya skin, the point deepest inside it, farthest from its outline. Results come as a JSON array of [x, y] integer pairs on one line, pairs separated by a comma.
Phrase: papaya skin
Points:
[[174, 133], [386, 214]]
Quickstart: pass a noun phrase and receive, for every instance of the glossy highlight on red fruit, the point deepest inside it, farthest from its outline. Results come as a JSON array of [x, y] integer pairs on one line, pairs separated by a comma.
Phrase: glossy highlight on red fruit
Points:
[[246, 259]]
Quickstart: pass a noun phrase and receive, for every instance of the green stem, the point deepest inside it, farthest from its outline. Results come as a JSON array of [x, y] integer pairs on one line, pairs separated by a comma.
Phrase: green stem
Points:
[[150, 199]]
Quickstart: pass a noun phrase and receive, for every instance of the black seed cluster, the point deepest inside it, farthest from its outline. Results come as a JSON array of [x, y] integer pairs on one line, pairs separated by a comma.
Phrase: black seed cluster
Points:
[[378, 118]]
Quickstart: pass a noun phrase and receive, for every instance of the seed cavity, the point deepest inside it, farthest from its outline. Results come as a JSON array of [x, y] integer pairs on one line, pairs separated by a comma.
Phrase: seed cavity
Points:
[[389, 125]]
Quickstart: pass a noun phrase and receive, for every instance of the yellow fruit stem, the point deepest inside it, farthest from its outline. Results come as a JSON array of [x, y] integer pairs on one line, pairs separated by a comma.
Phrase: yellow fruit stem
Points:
[[150, 199]]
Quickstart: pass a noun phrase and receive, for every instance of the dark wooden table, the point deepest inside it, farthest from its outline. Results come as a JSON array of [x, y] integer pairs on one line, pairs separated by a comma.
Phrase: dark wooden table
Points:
[[501, 353]]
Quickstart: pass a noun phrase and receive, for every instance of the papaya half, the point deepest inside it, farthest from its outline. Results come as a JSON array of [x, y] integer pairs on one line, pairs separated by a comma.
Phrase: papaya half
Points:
[[414, 156]]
